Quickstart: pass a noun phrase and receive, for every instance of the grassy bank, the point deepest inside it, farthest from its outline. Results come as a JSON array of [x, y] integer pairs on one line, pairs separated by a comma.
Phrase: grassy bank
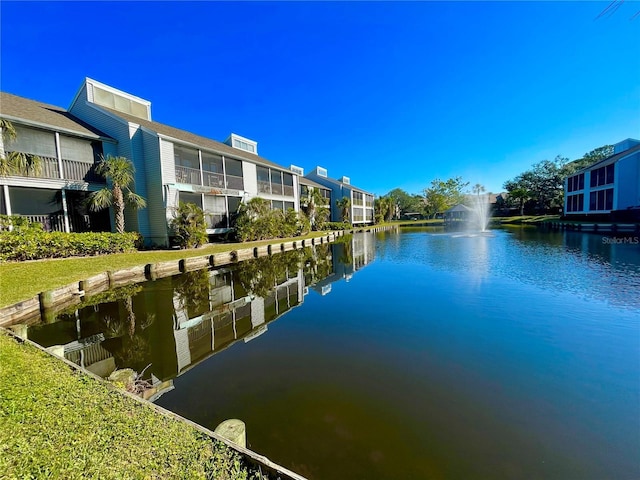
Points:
[[58, 423], [524, 219]]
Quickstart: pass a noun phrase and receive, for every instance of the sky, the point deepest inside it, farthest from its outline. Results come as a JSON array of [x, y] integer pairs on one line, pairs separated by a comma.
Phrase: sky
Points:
[[390, 94]]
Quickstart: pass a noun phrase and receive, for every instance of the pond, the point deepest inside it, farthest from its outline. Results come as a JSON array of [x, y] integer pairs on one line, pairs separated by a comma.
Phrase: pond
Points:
[[412, 354]]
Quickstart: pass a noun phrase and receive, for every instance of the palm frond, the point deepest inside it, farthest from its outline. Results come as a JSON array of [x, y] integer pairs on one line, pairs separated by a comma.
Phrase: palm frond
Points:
[[135, 200], [100, 200], [8, 130]]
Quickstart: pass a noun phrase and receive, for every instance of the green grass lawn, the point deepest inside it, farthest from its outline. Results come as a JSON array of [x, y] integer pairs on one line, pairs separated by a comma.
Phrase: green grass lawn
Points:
[[58, 423]]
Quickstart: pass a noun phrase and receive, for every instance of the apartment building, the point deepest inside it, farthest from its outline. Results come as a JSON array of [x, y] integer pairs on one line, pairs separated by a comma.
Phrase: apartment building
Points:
[[612, 184], [174, 165], [361, 210], [64, 150]]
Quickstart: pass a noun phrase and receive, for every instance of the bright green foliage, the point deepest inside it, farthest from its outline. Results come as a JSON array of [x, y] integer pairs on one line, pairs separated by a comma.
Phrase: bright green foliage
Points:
[[258, 221], [119, 171], [544, 183], [58, 423], [18, 223], [188, 225], [442, 195], [33, 244], [337, 226]]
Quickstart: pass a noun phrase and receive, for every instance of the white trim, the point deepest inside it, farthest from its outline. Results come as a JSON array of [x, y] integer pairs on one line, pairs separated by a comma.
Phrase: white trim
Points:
[[7, 200]]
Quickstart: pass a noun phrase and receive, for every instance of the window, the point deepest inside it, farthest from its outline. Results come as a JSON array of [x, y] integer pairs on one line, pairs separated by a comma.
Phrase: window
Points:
[[322, 172], [233, 169], [186, 157], [120, 103], [602, 176], [601, 200], [277, 204], [188, 197], [243, 145], [575, 183], [289, 206], [264, 183], [575, 203]]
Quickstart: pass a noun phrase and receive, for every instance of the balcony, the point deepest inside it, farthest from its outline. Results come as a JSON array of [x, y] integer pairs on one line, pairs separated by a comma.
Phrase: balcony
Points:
[[212, 179], [188, 175], [54, 222], [71, 169]]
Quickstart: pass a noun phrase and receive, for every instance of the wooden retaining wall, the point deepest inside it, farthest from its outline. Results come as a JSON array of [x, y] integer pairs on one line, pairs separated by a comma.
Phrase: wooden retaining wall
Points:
[[47, 304], [596, 227]]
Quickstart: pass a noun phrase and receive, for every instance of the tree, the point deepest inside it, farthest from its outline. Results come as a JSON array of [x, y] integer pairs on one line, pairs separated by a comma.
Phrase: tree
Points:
[[403, 203], [518, 194], [344, 204], [188, 225], [588, 159], [544, 183], [119, 171], [442, 195], [477, 189], [383, 208], [316, 208], [16, 163]]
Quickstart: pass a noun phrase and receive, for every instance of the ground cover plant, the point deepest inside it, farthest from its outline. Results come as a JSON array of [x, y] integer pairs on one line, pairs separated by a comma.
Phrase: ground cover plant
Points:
[[56, 422]]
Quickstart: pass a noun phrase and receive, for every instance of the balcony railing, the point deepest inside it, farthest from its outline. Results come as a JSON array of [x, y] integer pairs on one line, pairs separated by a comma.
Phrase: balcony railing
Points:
[[212, 179], [71, 169], [187, 175], [276, 188], [288, 191], [54, 222], [74, 170], [264, 187], [236, 183], [191, 176]]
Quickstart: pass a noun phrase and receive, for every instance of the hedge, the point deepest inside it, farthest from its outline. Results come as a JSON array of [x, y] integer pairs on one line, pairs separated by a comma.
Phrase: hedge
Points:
[[34, 244]]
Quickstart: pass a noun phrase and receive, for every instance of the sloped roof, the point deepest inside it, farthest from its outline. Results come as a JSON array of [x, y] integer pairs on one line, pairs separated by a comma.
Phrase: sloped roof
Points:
[[31, 112], [307, 181], [347, 185], [188, 137], [459, 208], [612, 159]]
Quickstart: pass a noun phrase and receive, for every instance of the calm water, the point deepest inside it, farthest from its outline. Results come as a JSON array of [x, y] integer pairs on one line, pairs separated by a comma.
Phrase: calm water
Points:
[[398, 356]]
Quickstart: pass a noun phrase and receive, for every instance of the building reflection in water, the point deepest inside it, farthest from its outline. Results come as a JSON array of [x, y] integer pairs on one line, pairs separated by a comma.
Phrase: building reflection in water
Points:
[[166, 327]]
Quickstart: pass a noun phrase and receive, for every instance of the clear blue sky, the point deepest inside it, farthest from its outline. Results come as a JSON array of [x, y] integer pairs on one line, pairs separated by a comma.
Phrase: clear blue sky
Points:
[[390, 94]]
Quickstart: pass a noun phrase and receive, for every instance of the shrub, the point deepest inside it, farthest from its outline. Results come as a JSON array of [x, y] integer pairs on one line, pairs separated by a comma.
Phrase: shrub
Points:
[[337, 226], [34, 244], [188, 225], [258, 221], [18, 223]]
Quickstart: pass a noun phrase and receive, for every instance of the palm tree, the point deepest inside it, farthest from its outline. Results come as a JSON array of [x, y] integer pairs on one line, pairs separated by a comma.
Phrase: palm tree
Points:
[[315, 202], [119, 171], [478, 189], [344, 204], [16, 163]]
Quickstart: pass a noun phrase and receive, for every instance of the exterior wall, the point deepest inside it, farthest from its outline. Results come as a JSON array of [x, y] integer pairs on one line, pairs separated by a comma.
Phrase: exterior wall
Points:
[[628, 181], [156, 210], [626, 186], [250, 180]]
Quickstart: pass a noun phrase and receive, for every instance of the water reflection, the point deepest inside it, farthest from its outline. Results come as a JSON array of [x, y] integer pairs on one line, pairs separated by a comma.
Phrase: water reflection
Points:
[[167, 326]]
